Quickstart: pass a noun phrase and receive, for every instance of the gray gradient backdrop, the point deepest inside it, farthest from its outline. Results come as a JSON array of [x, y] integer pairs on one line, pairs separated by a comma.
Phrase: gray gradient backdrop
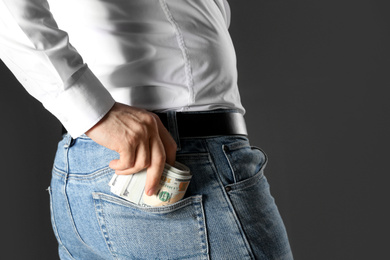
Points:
[[313, 77]]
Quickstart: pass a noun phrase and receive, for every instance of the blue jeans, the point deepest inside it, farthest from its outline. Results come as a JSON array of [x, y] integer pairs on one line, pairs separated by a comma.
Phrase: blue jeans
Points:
[[227, 213]]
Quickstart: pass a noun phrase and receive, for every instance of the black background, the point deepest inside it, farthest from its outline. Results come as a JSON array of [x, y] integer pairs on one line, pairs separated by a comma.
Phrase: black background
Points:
[[313, 77]]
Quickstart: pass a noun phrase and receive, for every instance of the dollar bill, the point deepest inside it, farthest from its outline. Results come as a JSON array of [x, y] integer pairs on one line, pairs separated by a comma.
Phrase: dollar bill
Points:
[[172, 187]]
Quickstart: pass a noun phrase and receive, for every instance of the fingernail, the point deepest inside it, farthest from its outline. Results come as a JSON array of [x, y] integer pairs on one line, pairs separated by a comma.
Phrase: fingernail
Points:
[[151, 191]]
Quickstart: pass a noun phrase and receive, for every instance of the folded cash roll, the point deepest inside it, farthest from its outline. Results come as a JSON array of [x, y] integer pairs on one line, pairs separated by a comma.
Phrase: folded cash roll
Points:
[[173, 185]]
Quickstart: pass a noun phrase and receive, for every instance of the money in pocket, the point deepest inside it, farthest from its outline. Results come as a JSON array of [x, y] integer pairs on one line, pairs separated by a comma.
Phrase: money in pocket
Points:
[[173, 185]]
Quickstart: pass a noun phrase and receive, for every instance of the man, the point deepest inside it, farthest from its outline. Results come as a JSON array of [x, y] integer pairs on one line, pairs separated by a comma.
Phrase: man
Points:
[[160, 87]]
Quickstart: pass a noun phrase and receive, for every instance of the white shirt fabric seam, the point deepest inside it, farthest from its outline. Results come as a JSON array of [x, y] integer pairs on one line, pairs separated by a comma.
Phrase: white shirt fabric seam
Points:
[[184, 50]]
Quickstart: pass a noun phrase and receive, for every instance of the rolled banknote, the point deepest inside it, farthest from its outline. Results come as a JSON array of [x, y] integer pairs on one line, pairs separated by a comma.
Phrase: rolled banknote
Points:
[[173, 185]]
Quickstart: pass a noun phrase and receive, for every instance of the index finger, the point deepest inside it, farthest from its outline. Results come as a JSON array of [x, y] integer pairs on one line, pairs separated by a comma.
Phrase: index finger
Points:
[[157, 164]]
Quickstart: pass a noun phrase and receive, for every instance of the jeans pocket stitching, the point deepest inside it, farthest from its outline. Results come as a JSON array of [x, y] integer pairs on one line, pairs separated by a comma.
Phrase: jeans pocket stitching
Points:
[[235, 146], [247, 183], [252, 180], [224, 148], [100, 217], [157, 210], [194, 156], [54, 225], [99, 173]]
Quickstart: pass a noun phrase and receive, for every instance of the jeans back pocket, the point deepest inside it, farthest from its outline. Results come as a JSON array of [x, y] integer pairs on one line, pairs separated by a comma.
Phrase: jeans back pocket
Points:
[[176, 231]]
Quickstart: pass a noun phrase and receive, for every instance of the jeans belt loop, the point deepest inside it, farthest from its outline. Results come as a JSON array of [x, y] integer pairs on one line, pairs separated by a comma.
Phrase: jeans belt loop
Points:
[[172, 127]]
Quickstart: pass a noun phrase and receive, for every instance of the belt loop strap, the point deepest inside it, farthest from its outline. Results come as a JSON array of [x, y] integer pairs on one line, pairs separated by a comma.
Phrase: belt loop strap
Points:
[[68, 141], [173, 128]]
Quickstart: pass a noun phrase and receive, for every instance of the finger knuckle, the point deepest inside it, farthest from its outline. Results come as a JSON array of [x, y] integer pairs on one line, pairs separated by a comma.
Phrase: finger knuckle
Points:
[[131, 139], [142, 164], [149, 119], [138, 130], [147, 163], [127, 165]]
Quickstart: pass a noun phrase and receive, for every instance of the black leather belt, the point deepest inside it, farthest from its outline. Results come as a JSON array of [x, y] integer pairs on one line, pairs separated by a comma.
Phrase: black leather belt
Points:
[[207, 124]]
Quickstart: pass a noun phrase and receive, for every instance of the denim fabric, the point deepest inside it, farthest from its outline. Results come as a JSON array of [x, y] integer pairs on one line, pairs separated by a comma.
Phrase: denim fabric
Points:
[[227, 213]]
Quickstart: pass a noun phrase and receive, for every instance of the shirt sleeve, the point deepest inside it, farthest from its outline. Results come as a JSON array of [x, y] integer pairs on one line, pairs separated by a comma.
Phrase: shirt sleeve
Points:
[[227, 12], [40, 56]]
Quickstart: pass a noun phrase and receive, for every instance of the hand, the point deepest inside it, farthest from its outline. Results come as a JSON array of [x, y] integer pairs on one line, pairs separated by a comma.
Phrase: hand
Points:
[[141, 140]]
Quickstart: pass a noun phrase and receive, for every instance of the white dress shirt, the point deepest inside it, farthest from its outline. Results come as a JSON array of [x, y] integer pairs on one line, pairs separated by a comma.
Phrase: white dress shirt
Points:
[[154, 54]]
